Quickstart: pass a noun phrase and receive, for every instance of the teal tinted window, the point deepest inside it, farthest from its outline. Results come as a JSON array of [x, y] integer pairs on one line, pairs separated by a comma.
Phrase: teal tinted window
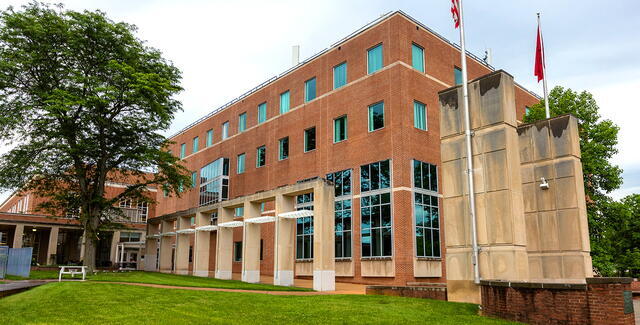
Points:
[[285, 102], [309, 139], [242, 122], [183, 150], [375, 214], [375, 176], [261, 156], [283, 148], [194, 179], [196, 144], [419, 115], [425, 176], [376, 116], [240, 167], [374, 59], [340, 75], [417, 57], [310, 89], [340, 129], [239, 212], [427, 218], [209, 138], [262, 113], [225, 130], [457, 75]]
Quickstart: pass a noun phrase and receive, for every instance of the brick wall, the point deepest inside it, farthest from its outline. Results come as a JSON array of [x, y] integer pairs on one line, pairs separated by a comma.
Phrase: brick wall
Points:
[[429, 292], [599, 301]]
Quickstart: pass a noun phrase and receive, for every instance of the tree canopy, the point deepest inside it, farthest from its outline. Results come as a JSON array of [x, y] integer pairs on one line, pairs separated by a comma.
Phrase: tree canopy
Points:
[[609, 221], [83, 103]]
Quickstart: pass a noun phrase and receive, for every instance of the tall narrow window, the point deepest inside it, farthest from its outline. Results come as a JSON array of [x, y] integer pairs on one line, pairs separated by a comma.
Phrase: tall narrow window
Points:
[[209, 138], [340, 75], [225, 130], [426, 209], [240, 165], [261, 156], [194, 179], [310, 89], [262, 112], [242, 122], [304, 228], [342, 184], [196, 144], [309, 139], [340, 129], [419, 115], [425, 176], [238, 212], [285, 102], [376, 116], [237, 251], [183, 150], [417, 57], [457, 75], [283, 148], [374, 59], [375, 209]]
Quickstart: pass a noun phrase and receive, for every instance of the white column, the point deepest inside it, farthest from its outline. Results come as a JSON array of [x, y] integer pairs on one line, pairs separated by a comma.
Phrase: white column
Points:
[[224, 246], [283, 259], [53, 245], [202, 244], [251, 244], [324, 264]]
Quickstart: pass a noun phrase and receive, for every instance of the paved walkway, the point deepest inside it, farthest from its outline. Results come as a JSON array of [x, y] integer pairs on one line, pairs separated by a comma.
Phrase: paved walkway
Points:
[[13, 287]]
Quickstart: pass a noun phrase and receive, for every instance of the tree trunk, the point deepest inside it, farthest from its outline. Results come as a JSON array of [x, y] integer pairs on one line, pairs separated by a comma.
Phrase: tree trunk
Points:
[[89, 259]]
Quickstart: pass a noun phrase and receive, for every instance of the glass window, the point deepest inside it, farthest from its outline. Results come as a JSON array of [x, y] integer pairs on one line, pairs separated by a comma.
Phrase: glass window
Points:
[[242, 122], [196, 144], [310, 139], [427, 219], [340, 75], [340, 129], [457, 75], [419, 115], [240, 167], [285, 102], [425, 176], [261, 156], [238, 212], [375, 215], [183, 150], [237, 251], [374, 59], [376, 116], [225, 130], [310, 89], [343, 228], [283, 148], [304, 228], [341, 181], [375, 176], [194, 179], [209, 138], [214, 182], [262, 112], [417, 57]]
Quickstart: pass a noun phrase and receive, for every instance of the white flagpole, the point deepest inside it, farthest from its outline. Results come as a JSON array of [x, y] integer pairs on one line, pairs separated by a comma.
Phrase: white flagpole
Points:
[[467, 123], [544, 71]]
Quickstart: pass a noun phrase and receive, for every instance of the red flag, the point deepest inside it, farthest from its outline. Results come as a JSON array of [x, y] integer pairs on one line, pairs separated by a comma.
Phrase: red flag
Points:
[[454, 13], [538, 69]]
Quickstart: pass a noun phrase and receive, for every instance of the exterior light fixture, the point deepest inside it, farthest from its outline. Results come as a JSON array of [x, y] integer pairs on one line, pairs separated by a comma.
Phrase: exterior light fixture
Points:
[[34, 229], [544, 184]]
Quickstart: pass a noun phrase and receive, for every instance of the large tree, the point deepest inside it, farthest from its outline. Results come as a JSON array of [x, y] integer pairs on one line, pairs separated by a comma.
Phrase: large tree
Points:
[[598, 140], [82, 104]]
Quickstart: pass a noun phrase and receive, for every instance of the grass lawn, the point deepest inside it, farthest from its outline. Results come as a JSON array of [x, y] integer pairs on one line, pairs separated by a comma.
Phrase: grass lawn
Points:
[[108, 303], [163, 278]]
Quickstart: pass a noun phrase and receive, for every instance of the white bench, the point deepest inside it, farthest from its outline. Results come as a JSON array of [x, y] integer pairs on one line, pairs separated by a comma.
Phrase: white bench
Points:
[[73, 270]]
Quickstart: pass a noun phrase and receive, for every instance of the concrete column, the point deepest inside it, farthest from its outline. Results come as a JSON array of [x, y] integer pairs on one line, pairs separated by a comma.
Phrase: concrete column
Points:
[[182, 246], [251, 244], [17, 236], [150, 255], [202, 244], [53, 245], [283, 259], [165, 247], [115, 239], [324, 265], [224, 246]]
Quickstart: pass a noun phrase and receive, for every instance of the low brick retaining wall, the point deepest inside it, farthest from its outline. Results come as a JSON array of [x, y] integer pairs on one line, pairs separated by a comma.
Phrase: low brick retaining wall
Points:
[[599, 301], [430, 292]]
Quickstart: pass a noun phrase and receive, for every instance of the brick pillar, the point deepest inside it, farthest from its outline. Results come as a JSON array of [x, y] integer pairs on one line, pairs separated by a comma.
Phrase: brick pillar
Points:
[[607, 303], [283, 259], [17, 236], [251, 244], [52, 249], [202, 244]]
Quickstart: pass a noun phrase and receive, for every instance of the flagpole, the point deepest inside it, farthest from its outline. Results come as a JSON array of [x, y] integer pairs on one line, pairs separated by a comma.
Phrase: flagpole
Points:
[[544, 72], [468, 134]]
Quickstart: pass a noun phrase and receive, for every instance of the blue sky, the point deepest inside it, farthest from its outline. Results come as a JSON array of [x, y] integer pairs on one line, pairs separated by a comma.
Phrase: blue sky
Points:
[[227, 47]]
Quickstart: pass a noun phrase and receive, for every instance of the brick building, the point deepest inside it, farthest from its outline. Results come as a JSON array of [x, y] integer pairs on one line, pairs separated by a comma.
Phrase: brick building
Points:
[[364, 114], [58, 239]]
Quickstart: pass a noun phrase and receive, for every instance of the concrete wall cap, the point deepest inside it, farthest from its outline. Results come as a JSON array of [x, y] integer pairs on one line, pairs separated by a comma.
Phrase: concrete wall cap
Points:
[[609, 280]]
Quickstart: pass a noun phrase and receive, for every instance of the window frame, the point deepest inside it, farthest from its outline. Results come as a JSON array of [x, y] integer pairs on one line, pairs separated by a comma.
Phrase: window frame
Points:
[[424, 61], [183, 150], [315, 138], [378, 191], [344, 63], [346, 128], [237, 250], [262, 110], [225, 130], [370, 119], [455, 81], [244, 163], [418, 190], [262, 148], [281, 141], [382, 59], [195, 144], [315, 89], [288, 108], [242, 122], [426, 118], [209, 140], [342, 197]]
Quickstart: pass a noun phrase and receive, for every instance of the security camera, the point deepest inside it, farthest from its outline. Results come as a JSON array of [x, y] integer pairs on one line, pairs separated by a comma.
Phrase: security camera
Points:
[[544, 184]]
